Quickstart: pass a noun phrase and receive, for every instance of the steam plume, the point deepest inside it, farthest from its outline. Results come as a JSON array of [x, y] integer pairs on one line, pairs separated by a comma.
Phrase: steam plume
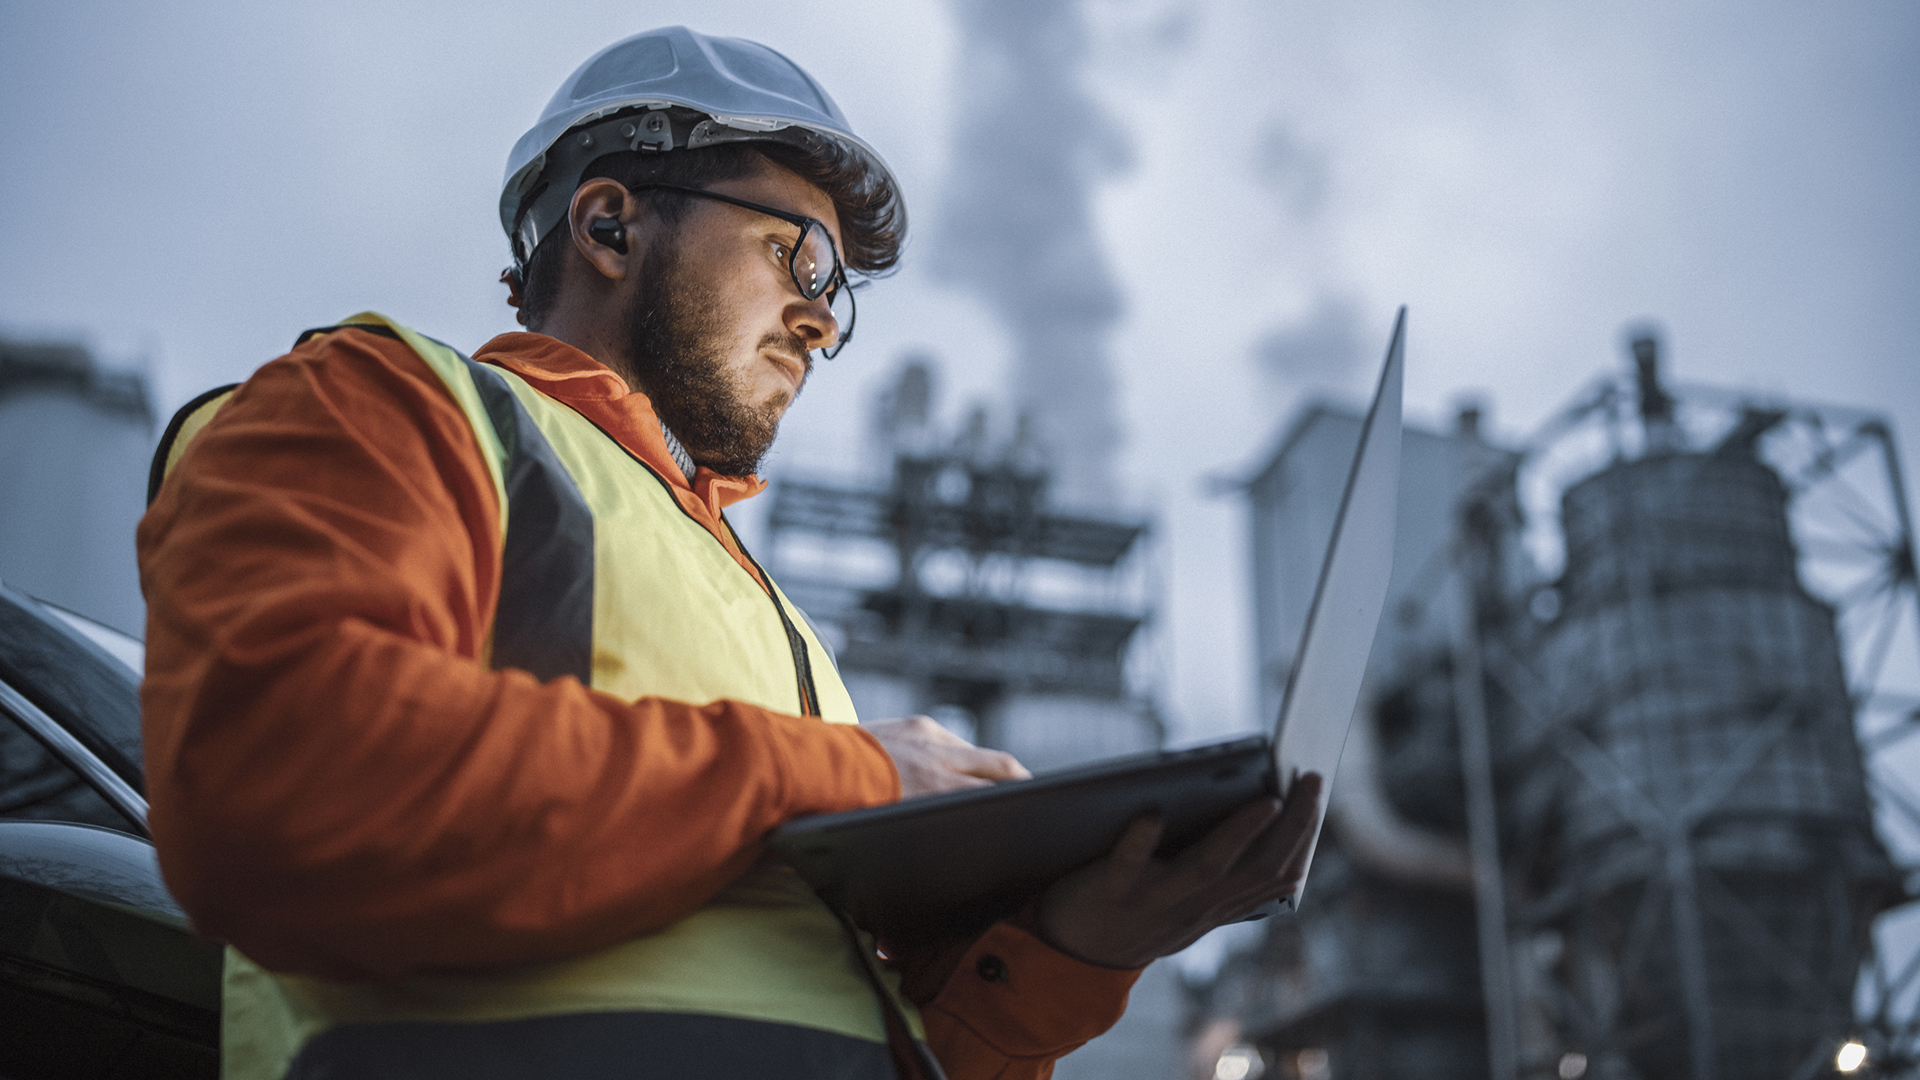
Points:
[[1016, 227]]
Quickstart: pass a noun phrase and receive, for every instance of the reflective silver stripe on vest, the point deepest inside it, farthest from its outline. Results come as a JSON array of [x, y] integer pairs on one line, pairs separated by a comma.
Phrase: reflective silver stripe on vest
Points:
[[544, 623]]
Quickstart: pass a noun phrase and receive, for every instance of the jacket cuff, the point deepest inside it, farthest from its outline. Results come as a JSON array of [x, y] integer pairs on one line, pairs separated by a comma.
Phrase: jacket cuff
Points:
[[1026, 999], [826, 768]]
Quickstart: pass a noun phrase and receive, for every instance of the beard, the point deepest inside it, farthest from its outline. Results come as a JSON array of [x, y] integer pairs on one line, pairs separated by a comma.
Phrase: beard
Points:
[[676, 348]]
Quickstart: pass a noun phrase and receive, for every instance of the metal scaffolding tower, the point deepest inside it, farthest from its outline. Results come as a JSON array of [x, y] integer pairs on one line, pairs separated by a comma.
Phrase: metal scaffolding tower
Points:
[[954, 588]]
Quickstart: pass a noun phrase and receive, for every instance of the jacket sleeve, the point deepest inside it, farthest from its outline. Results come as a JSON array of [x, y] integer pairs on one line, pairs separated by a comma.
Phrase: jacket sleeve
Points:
[[339, 785], [1007, 1006]]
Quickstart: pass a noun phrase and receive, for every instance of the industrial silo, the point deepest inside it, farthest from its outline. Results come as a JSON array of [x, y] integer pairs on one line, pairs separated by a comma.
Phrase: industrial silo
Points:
[[75, 438], [1714, 866]]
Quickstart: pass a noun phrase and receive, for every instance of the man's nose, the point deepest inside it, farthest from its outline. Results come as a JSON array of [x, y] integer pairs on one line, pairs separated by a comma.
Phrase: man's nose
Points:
[[814, 321]]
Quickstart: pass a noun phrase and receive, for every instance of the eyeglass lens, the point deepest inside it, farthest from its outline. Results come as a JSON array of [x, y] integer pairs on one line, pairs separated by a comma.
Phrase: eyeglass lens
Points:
[[844, 313], [815, 267], [813, 261]]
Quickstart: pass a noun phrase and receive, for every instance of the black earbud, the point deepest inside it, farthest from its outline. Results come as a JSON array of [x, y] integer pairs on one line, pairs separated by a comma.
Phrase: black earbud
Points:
[[608, 232]]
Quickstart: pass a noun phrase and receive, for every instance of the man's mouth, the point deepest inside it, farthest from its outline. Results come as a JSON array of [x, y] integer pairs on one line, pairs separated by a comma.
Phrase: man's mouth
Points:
[[792, 366]]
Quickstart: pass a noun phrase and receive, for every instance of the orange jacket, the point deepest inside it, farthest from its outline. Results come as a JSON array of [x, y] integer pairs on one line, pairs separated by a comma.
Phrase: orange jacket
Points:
[[340, 787]]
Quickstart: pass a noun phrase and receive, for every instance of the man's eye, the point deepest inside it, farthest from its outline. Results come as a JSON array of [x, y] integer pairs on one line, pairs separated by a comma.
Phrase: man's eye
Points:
[[781, 251]]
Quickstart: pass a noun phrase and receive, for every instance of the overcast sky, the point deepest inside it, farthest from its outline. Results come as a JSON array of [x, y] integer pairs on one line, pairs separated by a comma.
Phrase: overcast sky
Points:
[[193, 184]]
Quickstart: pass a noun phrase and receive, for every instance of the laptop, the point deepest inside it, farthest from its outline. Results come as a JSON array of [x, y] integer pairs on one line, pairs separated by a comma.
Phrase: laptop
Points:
[[953, 864]]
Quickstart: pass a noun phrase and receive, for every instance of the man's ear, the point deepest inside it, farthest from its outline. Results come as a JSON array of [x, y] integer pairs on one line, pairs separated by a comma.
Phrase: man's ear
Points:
[[600, 200]]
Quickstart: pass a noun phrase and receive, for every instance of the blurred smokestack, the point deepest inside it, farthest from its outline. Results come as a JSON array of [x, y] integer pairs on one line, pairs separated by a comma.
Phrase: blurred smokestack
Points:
[[1466, 422], [1016, 227], [1656, 406]]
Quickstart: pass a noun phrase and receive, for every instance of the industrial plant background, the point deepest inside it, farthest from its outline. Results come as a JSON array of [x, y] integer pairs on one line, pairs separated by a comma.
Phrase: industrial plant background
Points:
[[1630, 794]]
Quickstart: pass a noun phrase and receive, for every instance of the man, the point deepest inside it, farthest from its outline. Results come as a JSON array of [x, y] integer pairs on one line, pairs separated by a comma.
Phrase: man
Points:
[[466, 709]]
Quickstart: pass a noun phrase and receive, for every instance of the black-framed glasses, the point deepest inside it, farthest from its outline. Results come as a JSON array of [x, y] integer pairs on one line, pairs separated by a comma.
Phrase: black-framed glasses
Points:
[[813, 261]]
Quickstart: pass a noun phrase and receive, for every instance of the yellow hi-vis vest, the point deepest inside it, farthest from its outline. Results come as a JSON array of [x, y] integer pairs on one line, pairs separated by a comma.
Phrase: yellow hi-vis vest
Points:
[[604, 576]]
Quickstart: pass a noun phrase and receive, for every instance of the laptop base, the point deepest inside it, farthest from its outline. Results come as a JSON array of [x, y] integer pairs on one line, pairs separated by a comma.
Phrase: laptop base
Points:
[[951, 865]]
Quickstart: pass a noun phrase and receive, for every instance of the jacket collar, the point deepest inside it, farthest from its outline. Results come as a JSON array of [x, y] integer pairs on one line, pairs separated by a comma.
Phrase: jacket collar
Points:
[[577, 380]]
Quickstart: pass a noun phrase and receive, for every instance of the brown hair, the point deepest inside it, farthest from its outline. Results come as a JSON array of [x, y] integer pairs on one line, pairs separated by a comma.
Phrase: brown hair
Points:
[[873, 219]]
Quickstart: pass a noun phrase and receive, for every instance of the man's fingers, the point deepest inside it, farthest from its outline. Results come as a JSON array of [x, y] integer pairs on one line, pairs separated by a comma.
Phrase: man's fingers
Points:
[[1284, 844], [1215, 853], [959, 755], [1129, 908], [931, 759], [938, 781], [926, 727], [1246, 890], [1305, 796], [987, 764], [1135, 847]]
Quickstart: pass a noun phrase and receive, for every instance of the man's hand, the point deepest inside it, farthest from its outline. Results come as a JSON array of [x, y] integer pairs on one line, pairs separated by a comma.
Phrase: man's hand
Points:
[[932, 759], [1130, 908]]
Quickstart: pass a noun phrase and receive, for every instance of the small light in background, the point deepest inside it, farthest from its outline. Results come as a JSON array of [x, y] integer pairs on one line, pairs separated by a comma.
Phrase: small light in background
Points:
[[1239, 1062], [1313, 1064], [1852, 1055], [1573, 1066]]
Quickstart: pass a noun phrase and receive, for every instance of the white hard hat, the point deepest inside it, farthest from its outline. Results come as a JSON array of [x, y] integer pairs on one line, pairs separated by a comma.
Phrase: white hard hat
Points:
[[664, 89]]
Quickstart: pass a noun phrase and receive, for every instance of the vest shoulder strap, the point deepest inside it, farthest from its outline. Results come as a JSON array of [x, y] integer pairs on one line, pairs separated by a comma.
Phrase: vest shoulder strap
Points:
[[454, 369], [180, 432], [457, 373]]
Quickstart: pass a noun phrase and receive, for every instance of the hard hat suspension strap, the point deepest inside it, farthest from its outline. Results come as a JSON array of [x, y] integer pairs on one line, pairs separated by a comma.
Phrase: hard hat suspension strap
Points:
[[654, 127]]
